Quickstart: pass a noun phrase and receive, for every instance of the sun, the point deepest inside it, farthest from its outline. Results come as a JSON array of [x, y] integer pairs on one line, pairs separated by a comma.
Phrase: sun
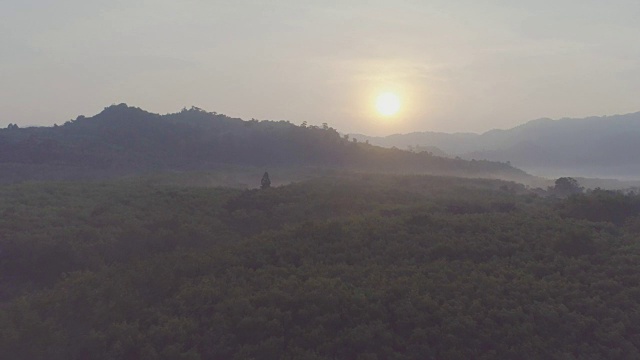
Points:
[[388, 104]]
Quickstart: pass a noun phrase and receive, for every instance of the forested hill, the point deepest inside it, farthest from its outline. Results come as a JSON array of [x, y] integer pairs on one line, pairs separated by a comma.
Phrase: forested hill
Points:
[[590, 147], [124, 140]]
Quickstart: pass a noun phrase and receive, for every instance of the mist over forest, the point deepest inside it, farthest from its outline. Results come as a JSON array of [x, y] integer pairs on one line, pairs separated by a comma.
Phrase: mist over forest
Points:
[[495, 214], [194, 235], [593, 147]]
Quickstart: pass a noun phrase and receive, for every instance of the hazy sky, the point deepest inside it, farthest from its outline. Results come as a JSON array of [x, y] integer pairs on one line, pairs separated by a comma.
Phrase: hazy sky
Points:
[[456, 65]]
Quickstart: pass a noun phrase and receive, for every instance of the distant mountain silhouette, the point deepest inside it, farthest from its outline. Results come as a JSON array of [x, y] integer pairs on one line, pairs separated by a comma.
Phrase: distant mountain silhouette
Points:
[[124, 140], [595, 146]]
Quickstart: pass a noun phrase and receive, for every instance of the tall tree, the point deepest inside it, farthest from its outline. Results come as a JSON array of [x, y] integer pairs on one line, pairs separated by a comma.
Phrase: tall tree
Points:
[[566, 186], [266, 182]]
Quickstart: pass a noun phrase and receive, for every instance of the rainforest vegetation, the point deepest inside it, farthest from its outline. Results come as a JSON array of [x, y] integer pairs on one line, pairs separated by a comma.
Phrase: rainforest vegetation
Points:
[[356, 266]]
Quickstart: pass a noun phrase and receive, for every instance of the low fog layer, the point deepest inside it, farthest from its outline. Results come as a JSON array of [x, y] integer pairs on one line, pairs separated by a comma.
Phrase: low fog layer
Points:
[[604, 147]]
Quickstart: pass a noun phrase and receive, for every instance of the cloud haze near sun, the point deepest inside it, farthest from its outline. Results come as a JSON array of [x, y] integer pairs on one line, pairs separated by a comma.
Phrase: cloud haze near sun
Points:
[[456, 65]]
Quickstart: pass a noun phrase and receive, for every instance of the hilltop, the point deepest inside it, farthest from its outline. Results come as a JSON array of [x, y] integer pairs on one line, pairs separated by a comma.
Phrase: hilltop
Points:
[[124, 140]]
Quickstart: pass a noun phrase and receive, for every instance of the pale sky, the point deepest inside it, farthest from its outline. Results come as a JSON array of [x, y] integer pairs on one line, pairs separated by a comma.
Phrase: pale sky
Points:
[[455, 65]]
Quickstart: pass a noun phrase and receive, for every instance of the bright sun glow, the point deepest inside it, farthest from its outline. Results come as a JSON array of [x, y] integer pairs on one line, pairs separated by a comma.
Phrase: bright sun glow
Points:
[[388, 104]]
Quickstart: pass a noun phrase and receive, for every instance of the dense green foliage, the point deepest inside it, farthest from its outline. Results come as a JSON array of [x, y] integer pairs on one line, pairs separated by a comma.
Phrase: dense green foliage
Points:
[[124, 140], [353, 267]]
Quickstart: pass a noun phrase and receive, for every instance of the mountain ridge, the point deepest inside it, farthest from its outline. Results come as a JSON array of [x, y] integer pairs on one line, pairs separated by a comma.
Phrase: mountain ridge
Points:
[[591, 146], [125, 140]]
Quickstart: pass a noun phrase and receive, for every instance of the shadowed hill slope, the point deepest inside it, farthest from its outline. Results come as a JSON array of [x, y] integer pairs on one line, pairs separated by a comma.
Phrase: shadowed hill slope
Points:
[[125, 140]]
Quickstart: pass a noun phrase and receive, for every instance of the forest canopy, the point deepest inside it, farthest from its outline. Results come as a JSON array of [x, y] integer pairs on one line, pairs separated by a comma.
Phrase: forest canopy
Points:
[[350, 267]]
